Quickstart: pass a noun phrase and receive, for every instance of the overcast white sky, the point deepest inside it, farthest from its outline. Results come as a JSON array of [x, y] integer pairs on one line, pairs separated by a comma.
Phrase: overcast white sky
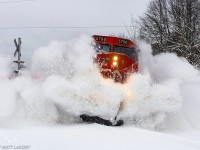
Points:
[[62, 13]]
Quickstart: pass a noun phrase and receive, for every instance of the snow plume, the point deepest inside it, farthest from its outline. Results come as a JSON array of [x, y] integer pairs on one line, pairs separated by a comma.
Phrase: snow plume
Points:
[[64, 83], [165, 93], [5, 65]]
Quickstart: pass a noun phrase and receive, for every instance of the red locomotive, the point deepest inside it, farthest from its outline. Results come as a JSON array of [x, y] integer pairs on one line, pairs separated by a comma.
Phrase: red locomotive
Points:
[[117, 58]]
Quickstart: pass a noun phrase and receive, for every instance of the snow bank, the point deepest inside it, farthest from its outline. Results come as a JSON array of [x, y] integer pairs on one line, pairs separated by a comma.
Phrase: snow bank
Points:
[[98, 137], [64, 83]]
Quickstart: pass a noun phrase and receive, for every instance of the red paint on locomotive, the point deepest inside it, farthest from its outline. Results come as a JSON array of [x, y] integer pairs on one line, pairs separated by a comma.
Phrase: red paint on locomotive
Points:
[[117, 58]]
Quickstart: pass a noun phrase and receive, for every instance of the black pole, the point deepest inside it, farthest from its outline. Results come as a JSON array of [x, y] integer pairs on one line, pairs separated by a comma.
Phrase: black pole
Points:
[[18, 52]]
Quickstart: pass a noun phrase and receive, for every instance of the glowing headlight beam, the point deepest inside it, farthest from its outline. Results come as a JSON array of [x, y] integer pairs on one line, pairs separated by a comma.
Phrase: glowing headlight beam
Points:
[[114, 63], [115, 58]]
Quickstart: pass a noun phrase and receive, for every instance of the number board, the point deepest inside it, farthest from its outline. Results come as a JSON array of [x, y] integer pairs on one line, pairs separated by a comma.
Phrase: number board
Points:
[[122, 41], [101, 39]]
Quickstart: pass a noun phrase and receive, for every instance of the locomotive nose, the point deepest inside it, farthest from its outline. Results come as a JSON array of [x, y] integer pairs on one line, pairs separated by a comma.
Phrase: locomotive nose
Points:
[[115, 65]]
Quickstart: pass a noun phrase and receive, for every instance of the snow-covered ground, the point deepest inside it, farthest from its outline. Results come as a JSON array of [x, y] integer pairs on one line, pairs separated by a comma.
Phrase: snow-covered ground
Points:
[[41, 108], [97, 137]]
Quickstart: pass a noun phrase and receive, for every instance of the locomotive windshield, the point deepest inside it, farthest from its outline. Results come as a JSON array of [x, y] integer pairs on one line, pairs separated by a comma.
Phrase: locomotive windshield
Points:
[[127, 51], [102, 47]]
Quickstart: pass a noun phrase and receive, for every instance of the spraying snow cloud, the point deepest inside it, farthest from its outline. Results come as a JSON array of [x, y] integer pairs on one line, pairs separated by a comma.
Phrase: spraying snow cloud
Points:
[[64, 83]]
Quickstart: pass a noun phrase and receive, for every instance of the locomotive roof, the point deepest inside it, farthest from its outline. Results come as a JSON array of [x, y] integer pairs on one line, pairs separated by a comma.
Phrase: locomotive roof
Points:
[[113, 41]]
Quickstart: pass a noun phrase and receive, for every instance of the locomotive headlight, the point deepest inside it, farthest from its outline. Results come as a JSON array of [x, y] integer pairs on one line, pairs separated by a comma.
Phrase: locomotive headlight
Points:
[[115, 58], [114, 63]]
